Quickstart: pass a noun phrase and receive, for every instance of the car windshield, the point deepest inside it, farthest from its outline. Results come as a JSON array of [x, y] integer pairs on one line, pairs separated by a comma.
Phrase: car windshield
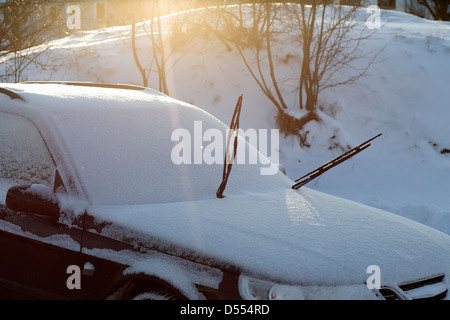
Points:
[[126, 155]]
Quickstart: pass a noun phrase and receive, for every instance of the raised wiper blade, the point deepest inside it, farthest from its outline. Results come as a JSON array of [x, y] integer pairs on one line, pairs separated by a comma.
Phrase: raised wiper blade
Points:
[[330, 164], [229, 158]]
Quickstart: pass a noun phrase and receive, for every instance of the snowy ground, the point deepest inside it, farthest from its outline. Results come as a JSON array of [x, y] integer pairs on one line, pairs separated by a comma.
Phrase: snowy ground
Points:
[[405, 96]]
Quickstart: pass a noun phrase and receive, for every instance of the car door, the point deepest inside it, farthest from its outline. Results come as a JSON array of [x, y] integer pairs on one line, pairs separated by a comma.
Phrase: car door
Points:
[[36, 251]]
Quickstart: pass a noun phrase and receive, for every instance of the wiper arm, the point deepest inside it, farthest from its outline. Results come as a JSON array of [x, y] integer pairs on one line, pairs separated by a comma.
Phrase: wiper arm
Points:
[[330, 164], [229, 159]]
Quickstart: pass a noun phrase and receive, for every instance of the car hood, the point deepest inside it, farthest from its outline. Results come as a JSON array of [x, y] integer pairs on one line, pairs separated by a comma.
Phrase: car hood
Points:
[[299, 236]]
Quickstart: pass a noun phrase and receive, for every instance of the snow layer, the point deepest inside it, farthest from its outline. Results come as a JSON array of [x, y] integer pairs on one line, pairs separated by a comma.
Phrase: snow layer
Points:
[[64, 241], [294, 236], [404, 95], [125, 152]]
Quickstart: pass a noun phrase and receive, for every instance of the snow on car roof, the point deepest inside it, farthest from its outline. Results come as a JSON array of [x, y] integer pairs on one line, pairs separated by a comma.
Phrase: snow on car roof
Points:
[[119, 143], [90, 94]]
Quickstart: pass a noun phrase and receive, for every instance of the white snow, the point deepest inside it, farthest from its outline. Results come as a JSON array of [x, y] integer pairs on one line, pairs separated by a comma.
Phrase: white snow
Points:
[[406, 171], [404, 95], [124, 154], [316, 239], [60, 240]]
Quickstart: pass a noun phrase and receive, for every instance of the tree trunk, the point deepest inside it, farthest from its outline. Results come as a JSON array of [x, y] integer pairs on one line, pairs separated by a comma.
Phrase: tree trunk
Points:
[[290, 125], [135, 56]]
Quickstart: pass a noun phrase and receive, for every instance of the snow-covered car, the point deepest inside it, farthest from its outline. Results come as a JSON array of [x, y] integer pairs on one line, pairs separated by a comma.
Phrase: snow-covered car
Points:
[[92, 206]]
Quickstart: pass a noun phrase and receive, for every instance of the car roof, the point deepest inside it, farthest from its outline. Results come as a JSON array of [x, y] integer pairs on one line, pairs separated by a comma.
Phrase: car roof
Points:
[[46, 96], [61, 112]]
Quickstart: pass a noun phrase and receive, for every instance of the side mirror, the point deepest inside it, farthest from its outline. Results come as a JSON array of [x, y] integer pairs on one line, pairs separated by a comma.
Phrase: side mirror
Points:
[[36, 199]]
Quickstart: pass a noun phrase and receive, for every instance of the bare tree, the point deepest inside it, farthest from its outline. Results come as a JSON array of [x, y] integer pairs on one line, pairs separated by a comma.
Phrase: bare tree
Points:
[[326, 39], [415, 8], [439, 9], [141, 69], [166, 38], [24, 25]]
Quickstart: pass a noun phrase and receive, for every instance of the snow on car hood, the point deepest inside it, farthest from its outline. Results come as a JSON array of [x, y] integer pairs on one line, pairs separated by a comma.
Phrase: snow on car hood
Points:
[[300, 236], [115, 146]]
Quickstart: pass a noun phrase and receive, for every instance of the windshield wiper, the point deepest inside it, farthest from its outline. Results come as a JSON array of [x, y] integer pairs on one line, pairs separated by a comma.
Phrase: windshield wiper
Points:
[[229, 158], [330, 164]]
